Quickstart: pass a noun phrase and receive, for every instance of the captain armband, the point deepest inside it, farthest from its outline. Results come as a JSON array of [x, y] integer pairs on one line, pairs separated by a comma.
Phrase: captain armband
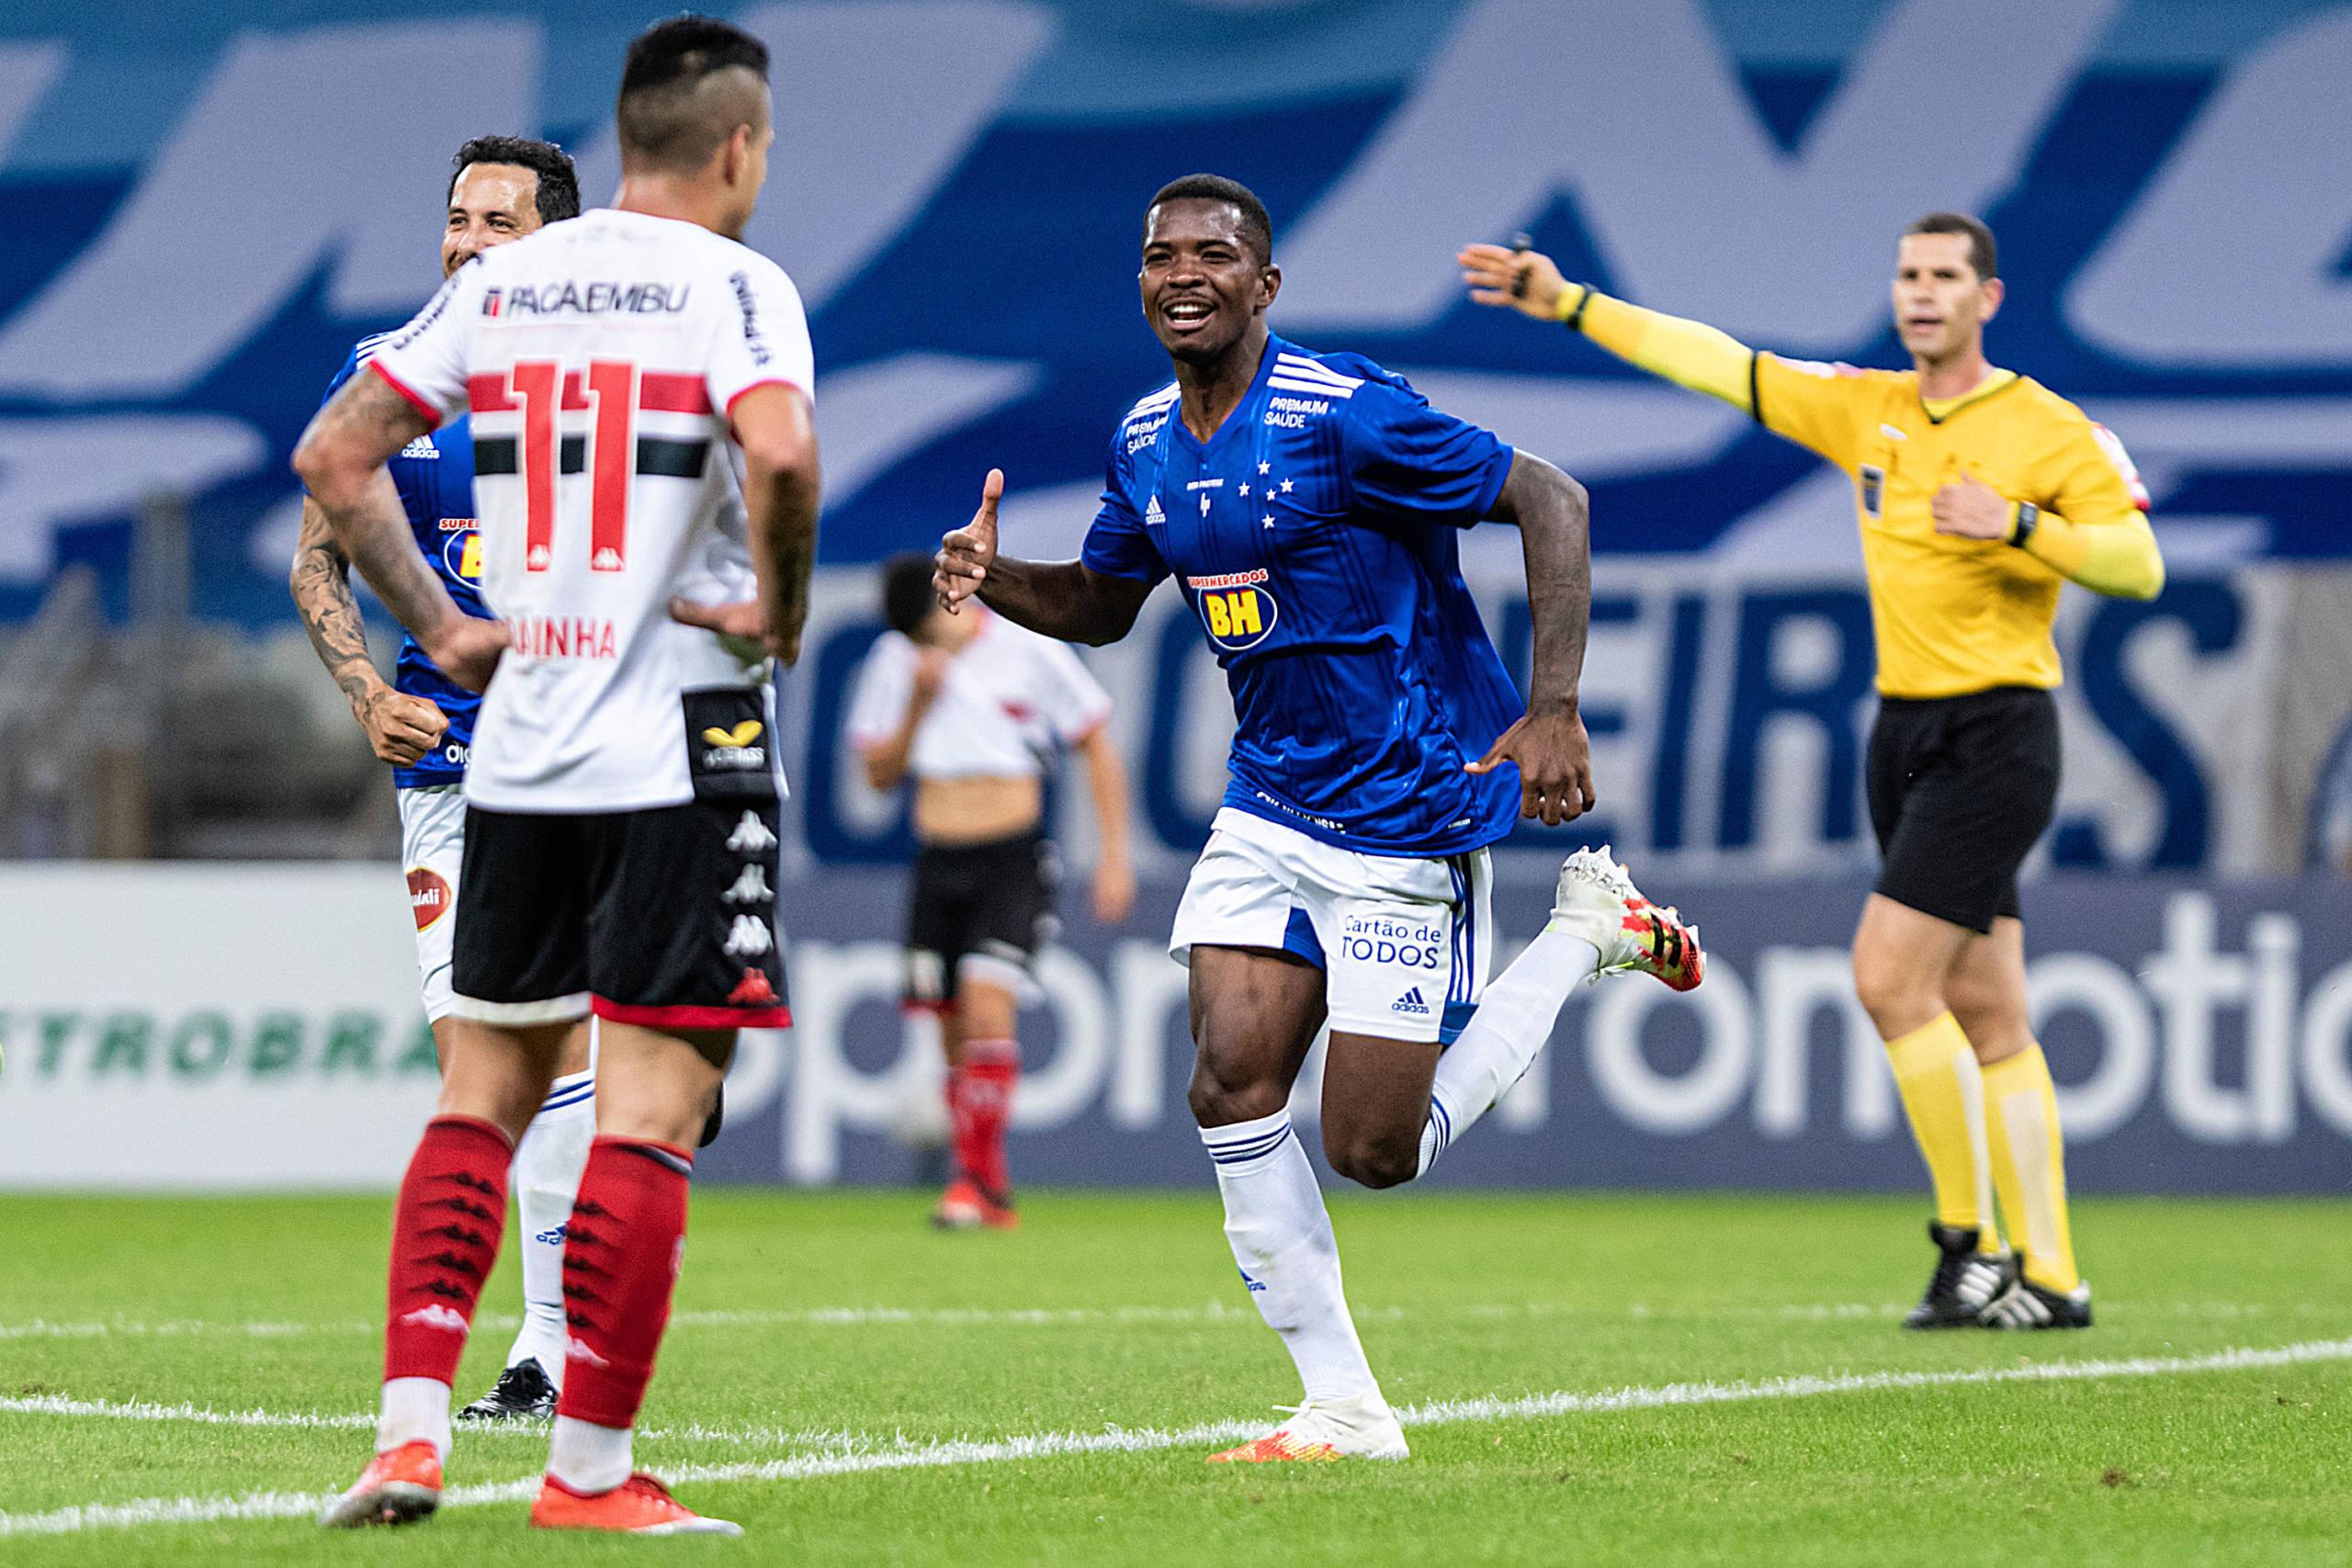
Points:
[[2023, 522]]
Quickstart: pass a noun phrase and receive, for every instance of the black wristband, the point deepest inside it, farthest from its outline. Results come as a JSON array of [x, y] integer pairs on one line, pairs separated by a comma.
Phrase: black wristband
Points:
[[1575, 322], [2029, 519]]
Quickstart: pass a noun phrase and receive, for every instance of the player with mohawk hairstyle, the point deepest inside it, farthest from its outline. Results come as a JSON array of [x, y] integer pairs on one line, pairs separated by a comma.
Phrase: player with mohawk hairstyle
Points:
[[645, 457]]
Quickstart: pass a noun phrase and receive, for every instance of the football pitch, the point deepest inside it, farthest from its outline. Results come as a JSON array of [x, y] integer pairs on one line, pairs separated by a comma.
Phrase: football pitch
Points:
[[1588, 1379]]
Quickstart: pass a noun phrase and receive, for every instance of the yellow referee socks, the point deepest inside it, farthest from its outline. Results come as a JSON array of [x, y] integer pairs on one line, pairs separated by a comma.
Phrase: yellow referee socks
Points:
[[2029, 1165], [1943, 1092]]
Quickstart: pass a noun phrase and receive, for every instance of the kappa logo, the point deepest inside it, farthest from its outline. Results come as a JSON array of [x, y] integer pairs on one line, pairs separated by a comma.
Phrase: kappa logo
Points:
[[752, 887], [1410, 1002], [749, 937], [750, 836], [751, 991], [436, 1316]]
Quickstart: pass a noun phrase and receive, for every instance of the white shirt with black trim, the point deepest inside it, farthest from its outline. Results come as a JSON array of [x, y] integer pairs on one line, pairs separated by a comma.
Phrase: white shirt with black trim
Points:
[[1009, 701], [600, 358]]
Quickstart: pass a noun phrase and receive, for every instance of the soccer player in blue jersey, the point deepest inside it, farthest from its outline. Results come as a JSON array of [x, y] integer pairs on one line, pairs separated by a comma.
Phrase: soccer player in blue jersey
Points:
[[1306, 503], [504, 187]]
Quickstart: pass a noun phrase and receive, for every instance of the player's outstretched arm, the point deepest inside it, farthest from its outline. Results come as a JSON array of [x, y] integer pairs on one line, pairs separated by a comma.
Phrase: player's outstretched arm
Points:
[[341, 458], [1689, 353], [1554, 754], [1064, 599], [400, 727], [782, 488]]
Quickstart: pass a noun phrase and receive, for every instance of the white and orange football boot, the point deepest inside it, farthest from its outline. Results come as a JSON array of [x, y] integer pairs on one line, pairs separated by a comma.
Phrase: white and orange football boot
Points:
[[400, 1486], [1360, 1426], [968, 1205], [1599, 902], [640, 1505]]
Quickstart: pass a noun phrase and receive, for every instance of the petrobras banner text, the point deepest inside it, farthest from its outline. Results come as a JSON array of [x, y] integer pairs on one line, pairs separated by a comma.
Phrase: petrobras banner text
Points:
[[957, 187], [1728, 708], [256, 1027]]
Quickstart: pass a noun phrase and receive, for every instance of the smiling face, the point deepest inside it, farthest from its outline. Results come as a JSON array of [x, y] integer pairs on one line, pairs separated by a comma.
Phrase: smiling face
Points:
[[1205, 286], [1941, 305], [491, 204]]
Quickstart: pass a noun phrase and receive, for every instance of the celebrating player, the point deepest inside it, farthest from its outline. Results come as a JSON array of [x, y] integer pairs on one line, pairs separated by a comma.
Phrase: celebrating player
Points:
[[973, 706], [423, 722], [1978, 491], [642, 433], [1306, 503]]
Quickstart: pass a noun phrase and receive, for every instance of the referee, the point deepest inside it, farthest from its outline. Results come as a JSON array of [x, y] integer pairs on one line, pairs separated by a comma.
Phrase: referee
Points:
[[1978, 491]]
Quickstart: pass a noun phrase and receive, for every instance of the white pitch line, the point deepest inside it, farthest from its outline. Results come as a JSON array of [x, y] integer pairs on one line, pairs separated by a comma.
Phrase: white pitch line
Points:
[[850, 1457]]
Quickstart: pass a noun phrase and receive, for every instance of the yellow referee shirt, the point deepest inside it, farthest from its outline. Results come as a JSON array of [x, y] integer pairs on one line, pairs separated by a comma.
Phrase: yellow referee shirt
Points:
[[1952, 615]]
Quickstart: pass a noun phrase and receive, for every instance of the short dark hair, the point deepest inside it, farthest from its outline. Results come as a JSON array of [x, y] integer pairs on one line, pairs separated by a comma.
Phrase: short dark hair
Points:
[[1257, 228], [1982, 254], [906, 590], [559, 190], [658, 117]]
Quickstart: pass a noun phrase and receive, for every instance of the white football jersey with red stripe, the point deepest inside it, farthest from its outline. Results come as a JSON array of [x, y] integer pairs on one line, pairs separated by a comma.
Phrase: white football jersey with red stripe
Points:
[[600, 357]]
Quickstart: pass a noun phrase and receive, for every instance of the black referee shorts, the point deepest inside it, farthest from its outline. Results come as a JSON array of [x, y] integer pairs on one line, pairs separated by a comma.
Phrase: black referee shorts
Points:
[[1959, 789], [994, 900]]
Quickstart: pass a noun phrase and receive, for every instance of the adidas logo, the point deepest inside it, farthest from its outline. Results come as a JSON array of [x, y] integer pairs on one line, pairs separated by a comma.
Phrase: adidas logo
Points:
[[1151, 512], [1410, 1002]]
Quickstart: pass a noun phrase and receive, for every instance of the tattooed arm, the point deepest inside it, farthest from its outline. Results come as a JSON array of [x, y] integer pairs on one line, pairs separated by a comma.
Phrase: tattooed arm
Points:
[[342, 459], [401, 729]]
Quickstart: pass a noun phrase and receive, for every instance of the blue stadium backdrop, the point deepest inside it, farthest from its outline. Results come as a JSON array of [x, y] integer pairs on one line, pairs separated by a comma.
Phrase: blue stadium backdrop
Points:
[[201, 207]]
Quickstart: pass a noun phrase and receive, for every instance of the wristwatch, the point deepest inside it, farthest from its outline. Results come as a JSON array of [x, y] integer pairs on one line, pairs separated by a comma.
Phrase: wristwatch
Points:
[[2028, 518]]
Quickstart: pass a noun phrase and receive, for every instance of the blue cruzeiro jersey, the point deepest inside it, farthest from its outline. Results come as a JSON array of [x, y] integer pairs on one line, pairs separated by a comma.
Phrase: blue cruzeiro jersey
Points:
[[1314, 536], [435, 475]]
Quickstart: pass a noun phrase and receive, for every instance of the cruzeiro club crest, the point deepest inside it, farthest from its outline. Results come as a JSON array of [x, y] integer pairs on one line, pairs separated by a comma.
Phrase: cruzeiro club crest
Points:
[[1235, 607]]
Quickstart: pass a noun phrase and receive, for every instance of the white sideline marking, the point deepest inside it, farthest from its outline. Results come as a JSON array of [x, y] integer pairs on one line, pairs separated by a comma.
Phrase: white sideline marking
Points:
[[853, 1456]]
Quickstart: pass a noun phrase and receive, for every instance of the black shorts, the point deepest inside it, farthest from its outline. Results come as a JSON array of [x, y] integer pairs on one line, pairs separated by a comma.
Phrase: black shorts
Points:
[[663, 916], [993, 900], [1960, 788]]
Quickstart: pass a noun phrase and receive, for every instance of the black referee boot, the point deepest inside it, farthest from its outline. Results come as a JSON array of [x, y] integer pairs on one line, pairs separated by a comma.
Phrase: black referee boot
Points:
[[2028, 1305], [1964, 1282]]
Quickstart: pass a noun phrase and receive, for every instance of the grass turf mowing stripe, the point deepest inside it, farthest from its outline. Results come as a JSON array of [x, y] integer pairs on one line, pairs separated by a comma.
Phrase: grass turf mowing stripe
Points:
[[850, 1457]]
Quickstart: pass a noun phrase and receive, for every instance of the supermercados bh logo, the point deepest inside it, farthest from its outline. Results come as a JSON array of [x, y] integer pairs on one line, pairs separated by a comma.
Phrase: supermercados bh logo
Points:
[[1235, 607], [461, 550]]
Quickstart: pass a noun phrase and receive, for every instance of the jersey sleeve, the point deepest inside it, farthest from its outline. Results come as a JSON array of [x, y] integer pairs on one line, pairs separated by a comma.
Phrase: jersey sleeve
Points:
[[877, 704], [1407, 459], [763, 335], [1117, 544], [426, 360], [2094, 529], [1824, 408], [1069, 697]]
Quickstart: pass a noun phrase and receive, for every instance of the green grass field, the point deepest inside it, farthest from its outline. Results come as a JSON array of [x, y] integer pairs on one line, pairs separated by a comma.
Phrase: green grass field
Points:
[[827, 1344]]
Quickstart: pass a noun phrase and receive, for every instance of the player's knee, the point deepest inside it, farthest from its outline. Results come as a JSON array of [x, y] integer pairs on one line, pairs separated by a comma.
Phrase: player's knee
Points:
[[1895, 995], [1217, 1101], [1373, 1160]]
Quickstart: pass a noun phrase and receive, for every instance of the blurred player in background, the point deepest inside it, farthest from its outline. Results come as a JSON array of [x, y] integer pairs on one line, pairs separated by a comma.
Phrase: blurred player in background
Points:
[[505, 187], [1307, 504], [1978, 491], [974, 707], [642, 444]]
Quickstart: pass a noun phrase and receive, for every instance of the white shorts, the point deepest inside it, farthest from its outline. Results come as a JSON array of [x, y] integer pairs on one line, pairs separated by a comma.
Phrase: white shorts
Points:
[[1402, 941], [433, 845]]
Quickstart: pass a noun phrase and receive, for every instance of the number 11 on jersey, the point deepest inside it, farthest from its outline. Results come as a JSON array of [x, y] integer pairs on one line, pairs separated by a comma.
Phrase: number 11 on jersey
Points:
[[545, 456]]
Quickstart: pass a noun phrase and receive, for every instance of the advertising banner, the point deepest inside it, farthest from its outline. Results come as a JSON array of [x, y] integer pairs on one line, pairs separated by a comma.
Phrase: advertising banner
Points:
[[256, 1027]]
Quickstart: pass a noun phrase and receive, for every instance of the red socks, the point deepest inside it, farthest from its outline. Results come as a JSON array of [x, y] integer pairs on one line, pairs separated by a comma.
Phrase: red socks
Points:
[[446, 1227], [620, 1261], [980, 1104]]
